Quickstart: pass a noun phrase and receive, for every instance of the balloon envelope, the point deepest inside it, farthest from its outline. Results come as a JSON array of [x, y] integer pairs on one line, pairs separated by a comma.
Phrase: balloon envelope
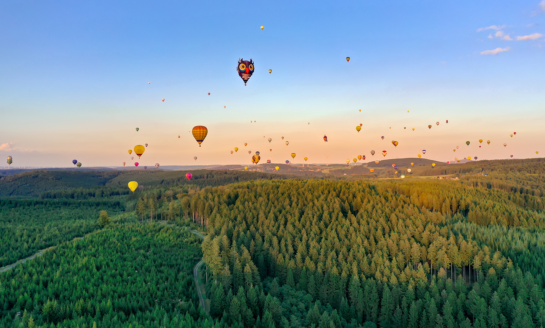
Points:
[[188, 176], [139, 150], [75, 162], [133, 185], [199, 133]]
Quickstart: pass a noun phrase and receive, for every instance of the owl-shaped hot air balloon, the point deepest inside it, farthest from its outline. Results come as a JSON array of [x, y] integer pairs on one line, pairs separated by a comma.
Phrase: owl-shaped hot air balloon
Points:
[[424, 151], [245, 69]]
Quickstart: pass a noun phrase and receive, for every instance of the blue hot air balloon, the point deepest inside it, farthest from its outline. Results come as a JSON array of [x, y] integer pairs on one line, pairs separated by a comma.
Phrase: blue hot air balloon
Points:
[[287, 162], [424, 151], [75, 162]]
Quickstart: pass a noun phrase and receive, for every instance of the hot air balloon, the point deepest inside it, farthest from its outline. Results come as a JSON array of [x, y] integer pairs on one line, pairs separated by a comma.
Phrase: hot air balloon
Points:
[[306, 158], [249, 151], [137, 129], [376, 162], [359, 157], [199, 133], [277, 168], [467, 143], [457, 147], [163, 100], [505, 145], [475, 158], [268, 161], [231, 152], [75, 162], [429, 126], [287, 162], [454, 149], [245, 69], [139, 150], [293, 155], [371, 170], [433, 165], [404, 128], [178, 137], [282, 138], [419, 156], [256, 158], [480, 140], [136, 164], [511, 156], [245, 144], [10, 160], [372, 153], [79, 164], [355, 160], [469, 158], [360, 110], [384, 152], [145, 167], [382, 137], [347, 59], [209, 93], [361, 124], [395, 143], [270, 139], [270, 149], [511, 135], [394, 166], [236, 149], [537, 152], [262, 27], [436, 123], [132, 158], [514, 133], [130, 151], [412, 164], [325, 138], [287, 143], [363, 157], [195, 158], [358, 128], [409, 170], [133, 185], [424, 151], [347, 161], [123, 164], [488, 142], [146, 145], [188, 176], [245, 167], [149, 82]]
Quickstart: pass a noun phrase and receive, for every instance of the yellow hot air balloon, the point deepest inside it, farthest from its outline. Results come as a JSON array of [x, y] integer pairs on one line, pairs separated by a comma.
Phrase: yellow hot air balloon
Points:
[[358, 128], [139, 150], [412, 164], [347, 161], [270, 71], [245, 144], [376, 162], [433, 164], [287, 143], [469, 158], [419, 156], [537, 152], [371, 170], [130, 151], [133, 185], [480, 140], [488, 142], [262, 27], [236, 148], [306, 158], [413, 129], [359, 157], [511, 136], [360, 110], [245, 167], [199, 133], [395, 143], [277, 168], [355, 160], [292, 155]]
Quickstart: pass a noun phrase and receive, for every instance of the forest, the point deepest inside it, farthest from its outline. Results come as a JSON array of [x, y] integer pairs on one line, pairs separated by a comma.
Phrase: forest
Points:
[[281, 251]]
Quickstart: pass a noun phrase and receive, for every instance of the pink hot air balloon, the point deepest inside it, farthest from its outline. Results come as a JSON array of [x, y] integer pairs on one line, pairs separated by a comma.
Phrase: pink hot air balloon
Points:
[[188, 176], [135, 163], [514, 133]]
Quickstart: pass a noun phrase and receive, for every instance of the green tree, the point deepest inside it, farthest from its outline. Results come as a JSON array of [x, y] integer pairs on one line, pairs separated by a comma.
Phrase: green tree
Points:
[[104, 219]]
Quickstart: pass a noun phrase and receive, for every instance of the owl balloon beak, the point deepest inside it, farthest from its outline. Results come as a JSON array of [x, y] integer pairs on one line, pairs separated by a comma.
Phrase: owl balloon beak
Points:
[[247, 70]]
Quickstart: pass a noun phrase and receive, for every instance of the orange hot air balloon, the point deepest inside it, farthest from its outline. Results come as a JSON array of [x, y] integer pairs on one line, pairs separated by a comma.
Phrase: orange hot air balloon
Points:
[[245, 144], [306, 158], [149, 82], [419, 156], [360, 110], [393, 165], [231, 152], [437, 123], [505, 145], [163, 100], [236, 149], [384, 152], [123, 164], [359, 157], [412, 164], [361, 124], [371, 170], [376, 162], [199, 133], [395, 143]]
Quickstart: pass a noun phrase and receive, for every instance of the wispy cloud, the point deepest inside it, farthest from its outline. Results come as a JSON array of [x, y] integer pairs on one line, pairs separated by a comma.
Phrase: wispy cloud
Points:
[[542, 5], [533, 24], [8, 146], [493, 27], [495, 51], [534, 36], [502, 36]]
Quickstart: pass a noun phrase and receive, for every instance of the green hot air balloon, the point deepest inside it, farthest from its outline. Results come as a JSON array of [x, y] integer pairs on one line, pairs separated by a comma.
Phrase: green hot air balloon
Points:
[[467, 143], [79, 164]]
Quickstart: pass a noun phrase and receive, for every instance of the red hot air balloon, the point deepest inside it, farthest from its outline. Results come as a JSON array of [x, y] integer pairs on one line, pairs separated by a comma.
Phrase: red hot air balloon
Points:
[[188, 176], [325, 138], [136, 164], [363, 157], [514, 133], [511, 156], [384, 152], [209, 93]]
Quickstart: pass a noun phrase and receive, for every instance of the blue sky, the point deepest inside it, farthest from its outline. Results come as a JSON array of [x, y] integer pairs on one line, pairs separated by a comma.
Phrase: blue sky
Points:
[[74, 79]]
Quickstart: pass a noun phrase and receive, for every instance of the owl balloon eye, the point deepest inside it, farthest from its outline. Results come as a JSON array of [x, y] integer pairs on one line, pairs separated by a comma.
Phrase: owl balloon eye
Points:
[[242, 67], [251, 67]]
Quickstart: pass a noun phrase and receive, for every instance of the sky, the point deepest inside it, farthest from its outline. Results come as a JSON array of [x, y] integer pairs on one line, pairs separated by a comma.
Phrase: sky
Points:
[[74, 80]]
